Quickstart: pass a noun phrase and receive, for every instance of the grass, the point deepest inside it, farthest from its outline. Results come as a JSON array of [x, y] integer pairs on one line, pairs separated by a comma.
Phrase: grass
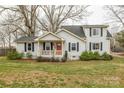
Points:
[[20, 73]]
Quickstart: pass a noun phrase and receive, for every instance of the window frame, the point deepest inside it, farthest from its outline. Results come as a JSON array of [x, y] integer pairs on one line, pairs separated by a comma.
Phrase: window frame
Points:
[[73, 46], [96, 46], [29, 48], [95, 32], [47, 44]]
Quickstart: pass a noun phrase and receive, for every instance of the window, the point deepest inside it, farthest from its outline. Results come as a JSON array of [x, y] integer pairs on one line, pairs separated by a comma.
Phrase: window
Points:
[[47, 45], [95, 46], [73, 47], [29, 46], [95, 32]]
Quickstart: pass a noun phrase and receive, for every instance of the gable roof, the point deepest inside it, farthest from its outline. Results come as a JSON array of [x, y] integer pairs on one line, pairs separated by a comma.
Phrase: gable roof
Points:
[[25, 39], [77, 30], [46, 34]]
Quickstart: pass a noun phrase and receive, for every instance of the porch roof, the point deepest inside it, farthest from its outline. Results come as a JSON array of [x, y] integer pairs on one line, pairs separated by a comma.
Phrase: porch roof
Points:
[[49, 36]]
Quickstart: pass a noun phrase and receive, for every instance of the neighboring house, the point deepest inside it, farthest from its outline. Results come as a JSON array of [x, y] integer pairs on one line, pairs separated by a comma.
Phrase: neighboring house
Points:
[[73, 39]]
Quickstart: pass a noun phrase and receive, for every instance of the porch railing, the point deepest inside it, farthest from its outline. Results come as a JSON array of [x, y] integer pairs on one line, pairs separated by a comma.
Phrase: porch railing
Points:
[[51, 52], [47, 52]]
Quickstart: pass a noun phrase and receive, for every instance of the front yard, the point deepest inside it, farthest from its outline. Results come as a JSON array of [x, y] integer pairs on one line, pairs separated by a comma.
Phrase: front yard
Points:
[[70, 74]]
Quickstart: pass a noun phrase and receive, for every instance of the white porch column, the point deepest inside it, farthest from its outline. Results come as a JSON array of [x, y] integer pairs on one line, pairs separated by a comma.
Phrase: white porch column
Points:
[[38, 49], [63, 49]]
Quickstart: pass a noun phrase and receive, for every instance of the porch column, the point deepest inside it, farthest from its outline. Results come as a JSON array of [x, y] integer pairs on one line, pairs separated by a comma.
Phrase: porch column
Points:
[[38, 49], [62, 48]]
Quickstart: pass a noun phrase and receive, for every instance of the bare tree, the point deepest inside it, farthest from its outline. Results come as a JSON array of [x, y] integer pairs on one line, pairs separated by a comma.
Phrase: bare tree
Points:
[[116, 14], [24, 18], [31, 19], [54, 16]]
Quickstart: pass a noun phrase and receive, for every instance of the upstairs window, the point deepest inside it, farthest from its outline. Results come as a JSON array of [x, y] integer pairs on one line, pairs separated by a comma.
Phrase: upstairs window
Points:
[[95, 32]]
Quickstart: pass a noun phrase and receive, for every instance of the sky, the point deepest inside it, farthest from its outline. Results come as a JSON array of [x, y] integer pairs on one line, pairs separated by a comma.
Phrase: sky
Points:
[[97, 16]]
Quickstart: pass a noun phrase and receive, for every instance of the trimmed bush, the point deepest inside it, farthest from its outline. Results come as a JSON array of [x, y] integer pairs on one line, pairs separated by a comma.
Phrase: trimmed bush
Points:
[[13, 55], [28, 55], [96, 56], [44, 59], [89, 55], [85, 56]]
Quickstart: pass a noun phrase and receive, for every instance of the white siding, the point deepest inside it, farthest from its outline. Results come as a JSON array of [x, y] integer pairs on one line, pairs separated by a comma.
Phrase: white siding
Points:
[[69, 38], [20, 48], [98, 39]]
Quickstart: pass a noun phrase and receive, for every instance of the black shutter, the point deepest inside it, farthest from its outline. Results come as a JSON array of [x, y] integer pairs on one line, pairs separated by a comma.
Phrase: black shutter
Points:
[[51, 46], [43, 45], [101, 46], [90, 46], [90, 32], [77, 46], [25, 47], [69, 46], [101, 32], [33, 46]]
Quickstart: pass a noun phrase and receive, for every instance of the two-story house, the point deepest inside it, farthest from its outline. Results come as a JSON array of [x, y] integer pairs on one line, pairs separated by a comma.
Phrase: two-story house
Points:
[[73, 39]]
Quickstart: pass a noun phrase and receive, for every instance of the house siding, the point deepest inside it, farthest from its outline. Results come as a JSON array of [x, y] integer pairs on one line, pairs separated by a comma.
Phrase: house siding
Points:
[[98, 39], [69, 38], [20, 48]]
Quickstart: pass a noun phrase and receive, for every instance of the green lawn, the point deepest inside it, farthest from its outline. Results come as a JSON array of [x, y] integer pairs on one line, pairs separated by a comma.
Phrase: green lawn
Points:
[[69, 74]]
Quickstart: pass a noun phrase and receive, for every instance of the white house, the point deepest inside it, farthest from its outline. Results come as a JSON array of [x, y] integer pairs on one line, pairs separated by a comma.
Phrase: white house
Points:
[[73, 39]]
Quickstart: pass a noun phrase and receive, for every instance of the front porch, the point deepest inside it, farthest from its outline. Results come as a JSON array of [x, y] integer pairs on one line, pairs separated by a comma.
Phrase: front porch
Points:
[[50, 49], [50, 45]]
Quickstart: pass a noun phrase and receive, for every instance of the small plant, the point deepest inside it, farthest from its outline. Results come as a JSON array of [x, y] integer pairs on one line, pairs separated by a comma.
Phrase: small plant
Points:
[[13, 55], [65, 57], [28, 55]]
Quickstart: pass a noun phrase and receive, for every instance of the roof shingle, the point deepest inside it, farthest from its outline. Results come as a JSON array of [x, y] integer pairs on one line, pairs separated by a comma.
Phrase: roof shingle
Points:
[[77, 30]]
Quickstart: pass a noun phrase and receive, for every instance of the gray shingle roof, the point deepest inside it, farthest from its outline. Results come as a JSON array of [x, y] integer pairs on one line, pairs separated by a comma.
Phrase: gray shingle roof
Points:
[[26, 39], [109, 34], [77, 30]]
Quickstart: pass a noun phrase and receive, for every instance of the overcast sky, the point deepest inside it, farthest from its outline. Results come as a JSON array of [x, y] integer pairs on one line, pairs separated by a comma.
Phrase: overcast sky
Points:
[[98, 15]]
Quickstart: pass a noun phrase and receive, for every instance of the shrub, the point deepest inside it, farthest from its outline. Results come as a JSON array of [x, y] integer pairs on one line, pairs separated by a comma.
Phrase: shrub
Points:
[[96, 56], [91, 55], [84, 56], [13, 55], [65, 57], [43, 59], [28, 55], [106, 56]]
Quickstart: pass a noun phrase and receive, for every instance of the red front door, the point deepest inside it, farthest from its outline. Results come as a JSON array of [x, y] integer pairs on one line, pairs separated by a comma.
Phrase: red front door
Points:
[[58, 48]]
